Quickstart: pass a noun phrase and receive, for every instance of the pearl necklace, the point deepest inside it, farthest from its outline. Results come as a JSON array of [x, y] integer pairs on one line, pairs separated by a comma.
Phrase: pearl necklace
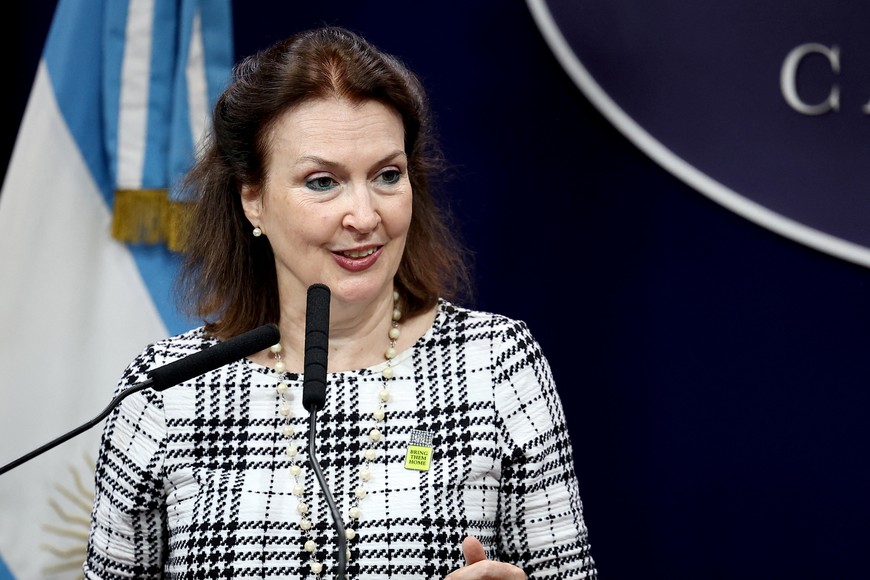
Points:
[[375, 436]]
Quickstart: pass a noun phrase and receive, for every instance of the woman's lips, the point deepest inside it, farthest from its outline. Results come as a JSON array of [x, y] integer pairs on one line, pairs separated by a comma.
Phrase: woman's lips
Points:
[[358, 260]]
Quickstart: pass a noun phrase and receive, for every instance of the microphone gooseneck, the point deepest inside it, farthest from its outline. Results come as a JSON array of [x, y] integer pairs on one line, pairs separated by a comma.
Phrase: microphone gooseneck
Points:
[[173, 373], [314, 398]]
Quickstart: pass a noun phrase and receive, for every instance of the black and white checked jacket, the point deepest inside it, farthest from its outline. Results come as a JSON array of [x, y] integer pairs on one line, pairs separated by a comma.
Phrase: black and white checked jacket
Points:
[[193, 482]]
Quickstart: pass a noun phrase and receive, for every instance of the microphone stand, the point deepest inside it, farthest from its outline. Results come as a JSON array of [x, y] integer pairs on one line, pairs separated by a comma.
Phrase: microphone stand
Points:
[[55, 442], [340, 533], [176, 372], [314, 397]]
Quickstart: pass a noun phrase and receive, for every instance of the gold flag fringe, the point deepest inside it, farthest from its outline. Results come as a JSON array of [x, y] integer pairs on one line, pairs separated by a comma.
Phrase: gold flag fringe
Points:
[[148, 216]]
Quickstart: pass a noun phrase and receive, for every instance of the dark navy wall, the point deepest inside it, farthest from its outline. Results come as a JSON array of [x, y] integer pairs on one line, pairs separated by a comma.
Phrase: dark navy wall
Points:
[[713, 373]]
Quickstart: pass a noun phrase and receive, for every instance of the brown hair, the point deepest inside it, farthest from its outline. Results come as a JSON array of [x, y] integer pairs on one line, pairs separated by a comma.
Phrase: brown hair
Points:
[[227, 276]]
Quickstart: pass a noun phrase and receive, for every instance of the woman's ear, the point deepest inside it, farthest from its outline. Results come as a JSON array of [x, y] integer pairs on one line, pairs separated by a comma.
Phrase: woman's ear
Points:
[[252, 203]]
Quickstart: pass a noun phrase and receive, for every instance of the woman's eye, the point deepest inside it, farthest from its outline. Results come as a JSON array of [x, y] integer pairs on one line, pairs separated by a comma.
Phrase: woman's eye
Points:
[[391, 176], [322, 183]]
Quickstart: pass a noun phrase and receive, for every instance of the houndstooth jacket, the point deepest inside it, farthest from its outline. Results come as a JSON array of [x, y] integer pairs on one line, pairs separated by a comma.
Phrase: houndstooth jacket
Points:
[[194, 482]]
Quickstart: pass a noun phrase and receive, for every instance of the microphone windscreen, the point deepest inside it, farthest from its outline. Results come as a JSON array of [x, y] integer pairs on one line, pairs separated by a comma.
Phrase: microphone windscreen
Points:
[[316, 345], [214, 357]]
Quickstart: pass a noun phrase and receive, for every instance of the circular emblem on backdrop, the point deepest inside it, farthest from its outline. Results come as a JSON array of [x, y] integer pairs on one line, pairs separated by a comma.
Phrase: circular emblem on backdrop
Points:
[[762, 106]]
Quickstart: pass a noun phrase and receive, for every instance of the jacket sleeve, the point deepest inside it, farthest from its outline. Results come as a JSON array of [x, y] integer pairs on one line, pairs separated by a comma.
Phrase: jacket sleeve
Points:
[[128, 531], [541, 525]]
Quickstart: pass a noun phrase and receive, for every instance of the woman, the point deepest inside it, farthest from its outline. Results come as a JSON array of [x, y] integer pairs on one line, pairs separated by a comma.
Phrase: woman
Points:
[[442, 438]]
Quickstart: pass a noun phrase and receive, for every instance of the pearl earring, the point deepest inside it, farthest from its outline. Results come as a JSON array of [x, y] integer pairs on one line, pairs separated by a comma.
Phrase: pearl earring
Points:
[[258, 232]]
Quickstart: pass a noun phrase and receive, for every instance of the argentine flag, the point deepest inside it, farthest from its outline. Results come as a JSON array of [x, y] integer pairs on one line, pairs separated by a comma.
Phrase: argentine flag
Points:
[[122, 94]]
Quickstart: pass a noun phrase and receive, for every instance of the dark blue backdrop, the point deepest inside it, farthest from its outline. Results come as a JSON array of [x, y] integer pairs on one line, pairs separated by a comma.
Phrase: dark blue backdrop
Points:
[[713, 372]]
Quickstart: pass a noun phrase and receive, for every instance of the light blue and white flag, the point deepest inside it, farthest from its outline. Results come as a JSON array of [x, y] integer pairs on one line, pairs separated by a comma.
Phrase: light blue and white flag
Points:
[[122, 93]]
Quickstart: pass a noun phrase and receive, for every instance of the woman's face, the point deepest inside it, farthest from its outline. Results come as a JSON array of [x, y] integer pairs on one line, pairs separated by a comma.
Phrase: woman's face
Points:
[[336, 200]]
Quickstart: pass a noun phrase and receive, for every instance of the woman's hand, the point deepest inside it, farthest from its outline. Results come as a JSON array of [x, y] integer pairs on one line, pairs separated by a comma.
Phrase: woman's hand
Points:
[[477, 567]]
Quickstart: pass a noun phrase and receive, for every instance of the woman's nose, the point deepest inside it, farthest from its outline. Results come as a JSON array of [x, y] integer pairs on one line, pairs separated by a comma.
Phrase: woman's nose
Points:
[[362, 215]]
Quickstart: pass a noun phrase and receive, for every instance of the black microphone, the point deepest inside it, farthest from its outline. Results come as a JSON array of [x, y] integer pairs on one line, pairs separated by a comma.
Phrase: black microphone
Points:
[[314, 398], [176, 372], [214, 357], [316, 345]]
